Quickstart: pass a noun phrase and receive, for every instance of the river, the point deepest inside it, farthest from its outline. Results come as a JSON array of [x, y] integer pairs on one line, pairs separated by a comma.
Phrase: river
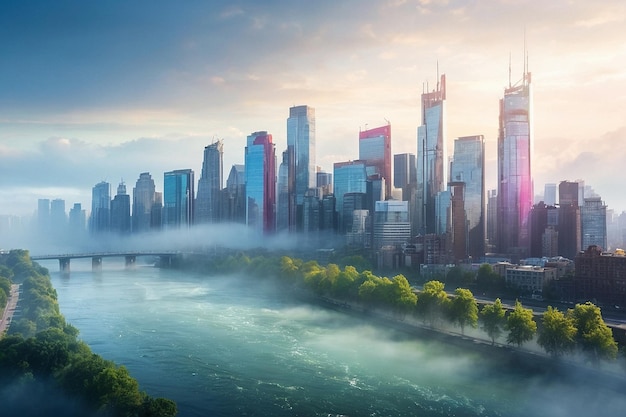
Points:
[[236, 346]]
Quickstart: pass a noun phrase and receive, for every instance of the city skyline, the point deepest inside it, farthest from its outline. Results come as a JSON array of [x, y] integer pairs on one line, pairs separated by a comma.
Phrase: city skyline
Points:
[[100, 97]]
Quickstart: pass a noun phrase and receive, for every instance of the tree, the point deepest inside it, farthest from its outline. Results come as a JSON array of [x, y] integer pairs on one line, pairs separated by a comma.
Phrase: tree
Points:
[[488, 280], [463, 309], [593, 335], [558, 332], [432, 301], [520, 324], [404, 299], [493, 320]]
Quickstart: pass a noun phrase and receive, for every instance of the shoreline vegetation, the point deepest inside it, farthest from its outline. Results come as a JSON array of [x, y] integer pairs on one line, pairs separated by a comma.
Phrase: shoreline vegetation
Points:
[[577, 338], [46, 370]]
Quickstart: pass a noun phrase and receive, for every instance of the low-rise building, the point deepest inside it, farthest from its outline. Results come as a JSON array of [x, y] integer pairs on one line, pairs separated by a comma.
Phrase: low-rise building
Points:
[[529, 278]]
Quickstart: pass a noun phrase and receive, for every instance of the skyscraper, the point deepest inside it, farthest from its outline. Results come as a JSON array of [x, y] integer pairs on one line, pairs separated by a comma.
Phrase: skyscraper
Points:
[[77, 220], [285, 209], [120, 210], [178, 198], [375, 150], [404, 170], [143, 200], [261, 182], [301, 149], [569, 219], [100, 219], [210, 184], [348, 177], [515, 188], [234, 196], [593, 223], [431, 157], [58, 218], [468, 167]]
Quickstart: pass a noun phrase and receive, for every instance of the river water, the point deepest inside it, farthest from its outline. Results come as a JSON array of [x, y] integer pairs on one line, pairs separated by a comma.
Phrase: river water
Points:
[[236, 346]]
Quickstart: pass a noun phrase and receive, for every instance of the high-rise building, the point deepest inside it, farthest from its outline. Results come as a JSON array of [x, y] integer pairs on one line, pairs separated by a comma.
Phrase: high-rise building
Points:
[[549, 194], [569, 219], [468, 167], [43, 215], [348, 177], [100, 219], [261, 182], [301, 151], [143, 200], [492, 219], [375, 150], [404, 170], [593, 223], [58, 218], [234, 196], [431, 157], [77, 220], [120, 210], [178, 198], [515, 188], [324, 182], [210, 185], [285, 209], [391, 223], [156, 214]]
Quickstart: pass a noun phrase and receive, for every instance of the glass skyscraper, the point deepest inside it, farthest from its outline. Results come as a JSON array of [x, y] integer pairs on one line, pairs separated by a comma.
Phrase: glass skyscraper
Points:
[[143, 200], [210, 185], [261, 182], [431, 157], [301, 150], [100, 219], [120, 211], [375, 150], [593, 223], [348, 177], [468, 167], [515, 191], [178, 198]]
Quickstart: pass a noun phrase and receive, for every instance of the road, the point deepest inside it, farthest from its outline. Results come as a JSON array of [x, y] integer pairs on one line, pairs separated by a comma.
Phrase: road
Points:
[[9, 310]]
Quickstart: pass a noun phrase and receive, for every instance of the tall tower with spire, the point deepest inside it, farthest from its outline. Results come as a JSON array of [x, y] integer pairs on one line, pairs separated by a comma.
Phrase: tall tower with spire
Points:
[[515, 186], [431, 157]]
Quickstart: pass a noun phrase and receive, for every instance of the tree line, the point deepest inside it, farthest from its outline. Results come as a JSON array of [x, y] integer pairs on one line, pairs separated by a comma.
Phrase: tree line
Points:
[[40, 348], [580, 329]]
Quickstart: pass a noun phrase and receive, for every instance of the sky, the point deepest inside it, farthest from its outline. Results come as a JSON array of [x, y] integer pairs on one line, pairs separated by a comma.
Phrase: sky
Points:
[[93, 91]]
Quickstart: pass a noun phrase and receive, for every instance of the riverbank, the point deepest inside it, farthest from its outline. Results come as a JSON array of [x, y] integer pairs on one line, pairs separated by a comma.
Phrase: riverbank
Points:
[[520, 359], [9, 309]]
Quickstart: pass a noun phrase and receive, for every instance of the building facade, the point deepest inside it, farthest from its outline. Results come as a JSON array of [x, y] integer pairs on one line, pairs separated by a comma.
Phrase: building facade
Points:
[[178, 199], [100, 220], [431, 157], [120, 211], [301, 152], [143, 200], [207, 203], [348, 177], [515, 191], [260, 159], [468, 167], [375, 150], [593, 223], [391, 226]]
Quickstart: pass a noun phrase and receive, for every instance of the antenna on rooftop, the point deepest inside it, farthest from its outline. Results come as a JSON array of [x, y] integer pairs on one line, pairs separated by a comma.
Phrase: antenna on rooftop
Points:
[[509, 70], [437, 75]]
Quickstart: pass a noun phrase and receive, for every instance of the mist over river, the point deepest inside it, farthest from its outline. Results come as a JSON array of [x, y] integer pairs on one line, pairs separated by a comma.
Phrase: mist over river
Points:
[[236, 346]]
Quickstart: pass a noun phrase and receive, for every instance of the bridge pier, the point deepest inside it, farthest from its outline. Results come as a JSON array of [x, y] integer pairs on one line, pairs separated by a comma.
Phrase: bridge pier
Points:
[[96, 263], [64, 265], [130, 261], [165, 261]]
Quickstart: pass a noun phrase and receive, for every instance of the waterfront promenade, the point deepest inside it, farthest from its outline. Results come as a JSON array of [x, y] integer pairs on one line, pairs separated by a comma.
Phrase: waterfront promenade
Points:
[[9, 309]]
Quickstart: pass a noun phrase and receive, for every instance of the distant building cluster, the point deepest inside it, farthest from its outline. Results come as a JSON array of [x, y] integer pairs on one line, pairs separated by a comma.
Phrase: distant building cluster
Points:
[[410, 209]]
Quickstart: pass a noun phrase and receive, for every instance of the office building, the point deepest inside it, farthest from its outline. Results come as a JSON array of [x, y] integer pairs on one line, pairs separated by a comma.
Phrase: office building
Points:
[[549, 194], [77, 220], [143, 200], [515, 191], [600, 276], [207, 203], [100, 219], [120, 211], [58, 218], [301, 151], [404, 170], [468, 167], [178, 198], [234, 196], [391, 225], [348, 177], [569, 219], [431, 157], [260, 160], [593, 223], [285, 208], [375, 150]]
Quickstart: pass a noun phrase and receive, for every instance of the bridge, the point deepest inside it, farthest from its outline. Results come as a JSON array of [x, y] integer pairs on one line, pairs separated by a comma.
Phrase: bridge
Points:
[[166, 258]]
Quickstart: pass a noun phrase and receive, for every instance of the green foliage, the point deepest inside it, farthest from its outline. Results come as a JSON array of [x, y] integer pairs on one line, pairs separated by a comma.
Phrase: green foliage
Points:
[[520, 324], [493, 320], [432, 302], [463, 309], [487, 280], [558, 332], [593, 335]]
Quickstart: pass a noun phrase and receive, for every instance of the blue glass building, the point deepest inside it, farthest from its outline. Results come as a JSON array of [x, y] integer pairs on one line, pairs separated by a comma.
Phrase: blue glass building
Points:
[[261, 182], [178, 198], [301, 150]]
